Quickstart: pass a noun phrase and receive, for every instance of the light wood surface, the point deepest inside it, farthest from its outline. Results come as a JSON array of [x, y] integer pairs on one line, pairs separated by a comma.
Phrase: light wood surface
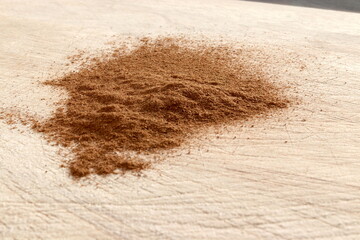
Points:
[[293, 176]]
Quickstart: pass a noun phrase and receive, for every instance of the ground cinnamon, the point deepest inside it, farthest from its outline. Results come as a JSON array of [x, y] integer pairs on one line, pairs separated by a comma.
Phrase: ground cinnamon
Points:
[[152, 98]]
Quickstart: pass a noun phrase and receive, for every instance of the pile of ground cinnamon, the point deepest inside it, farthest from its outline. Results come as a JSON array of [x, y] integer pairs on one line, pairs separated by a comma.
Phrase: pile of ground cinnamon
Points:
[[152, 98]]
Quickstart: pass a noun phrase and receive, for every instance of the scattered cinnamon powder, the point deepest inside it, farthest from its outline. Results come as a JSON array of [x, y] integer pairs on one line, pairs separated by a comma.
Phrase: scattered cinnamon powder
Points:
[[153, 98]]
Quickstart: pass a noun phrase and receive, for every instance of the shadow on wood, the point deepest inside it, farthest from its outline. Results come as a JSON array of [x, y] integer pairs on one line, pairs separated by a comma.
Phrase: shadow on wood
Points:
[[344, 5]]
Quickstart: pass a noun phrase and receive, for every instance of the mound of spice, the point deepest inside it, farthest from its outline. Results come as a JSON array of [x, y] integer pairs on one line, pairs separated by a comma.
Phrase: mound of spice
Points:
[[152, 98]]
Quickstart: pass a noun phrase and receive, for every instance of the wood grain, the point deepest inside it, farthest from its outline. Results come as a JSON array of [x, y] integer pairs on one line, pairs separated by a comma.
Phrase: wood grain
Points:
[[293, 176]]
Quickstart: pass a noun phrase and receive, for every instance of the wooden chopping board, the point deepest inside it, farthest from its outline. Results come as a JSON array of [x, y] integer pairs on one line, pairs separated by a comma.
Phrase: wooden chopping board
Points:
[[293, 176]]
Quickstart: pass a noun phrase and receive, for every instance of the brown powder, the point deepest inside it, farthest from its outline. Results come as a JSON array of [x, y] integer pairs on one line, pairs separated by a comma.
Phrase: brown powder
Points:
[[153, 98]]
